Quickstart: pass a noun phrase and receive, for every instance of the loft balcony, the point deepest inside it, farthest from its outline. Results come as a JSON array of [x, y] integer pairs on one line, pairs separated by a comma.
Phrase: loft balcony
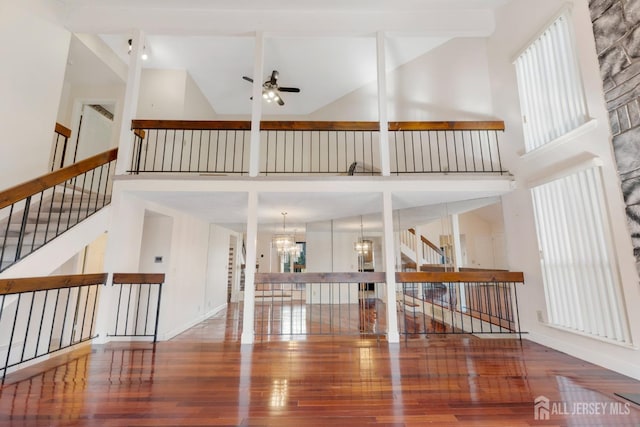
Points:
[[311, 148]]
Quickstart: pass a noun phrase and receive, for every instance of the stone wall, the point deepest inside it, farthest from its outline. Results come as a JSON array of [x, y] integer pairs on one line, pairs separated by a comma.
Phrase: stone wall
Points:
[[616, 26]]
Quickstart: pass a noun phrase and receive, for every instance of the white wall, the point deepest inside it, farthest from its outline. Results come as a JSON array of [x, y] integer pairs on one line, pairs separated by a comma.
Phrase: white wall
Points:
[[156, 242], [479, 241], [217, 269], [450, 82], [196, 105], [516, 24], [31, 78], [171, 94]]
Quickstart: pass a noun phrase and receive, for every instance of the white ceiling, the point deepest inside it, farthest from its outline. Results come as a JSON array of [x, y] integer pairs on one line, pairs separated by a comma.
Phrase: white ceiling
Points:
[[326, 48], [317, 210], [324, 68]]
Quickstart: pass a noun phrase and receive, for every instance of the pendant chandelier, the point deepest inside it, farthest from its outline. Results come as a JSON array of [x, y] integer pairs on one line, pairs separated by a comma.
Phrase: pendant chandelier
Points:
[[362, 246], [284, 243]]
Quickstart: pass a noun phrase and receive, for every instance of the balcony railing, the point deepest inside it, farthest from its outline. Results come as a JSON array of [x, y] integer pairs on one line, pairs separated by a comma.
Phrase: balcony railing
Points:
[[468, 302], [42, 315], [319, 304], [315, 148]]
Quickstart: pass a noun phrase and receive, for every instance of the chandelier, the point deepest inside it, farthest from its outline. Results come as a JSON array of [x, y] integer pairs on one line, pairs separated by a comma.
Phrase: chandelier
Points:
[[363, 246], [284, 243]]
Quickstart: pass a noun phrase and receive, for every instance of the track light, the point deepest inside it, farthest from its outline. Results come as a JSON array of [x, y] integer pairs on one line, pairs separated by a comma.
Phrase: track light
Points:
[[144, 55]]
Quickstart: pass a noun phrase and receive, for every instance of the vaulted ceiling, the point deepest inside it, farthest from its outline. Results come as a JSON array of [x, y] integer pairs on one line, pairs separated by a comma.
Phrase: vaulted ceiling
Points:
[[325, 48]]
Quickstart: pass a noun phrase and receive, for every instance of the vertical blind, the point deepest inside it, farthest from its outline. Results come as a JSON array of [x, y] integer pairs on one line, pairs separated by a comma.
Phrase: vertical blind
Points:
[[551, 94], [581, 284]]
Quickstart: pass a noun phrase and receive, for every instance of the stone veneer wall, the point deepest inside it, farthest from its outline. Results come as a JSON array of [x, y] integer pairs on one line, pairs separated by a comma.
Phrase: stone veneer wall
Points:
[[616, 26]]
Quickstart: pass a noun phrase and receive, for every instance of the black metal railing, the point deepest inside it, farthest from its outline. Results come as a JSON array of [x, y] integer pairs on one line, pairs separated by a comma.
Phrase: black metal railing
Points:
[[479, 302], [34, 213], [39, 316], [137, 310], [319, 304], [325, 148], [191, 146], [61, 137], [445, 147], [315, 148]]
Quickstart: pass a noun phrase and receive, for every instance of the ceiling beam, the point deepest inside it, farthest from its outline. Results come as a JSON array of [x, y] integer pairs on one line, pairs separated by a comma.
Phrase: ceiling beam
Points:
[[109, 17]]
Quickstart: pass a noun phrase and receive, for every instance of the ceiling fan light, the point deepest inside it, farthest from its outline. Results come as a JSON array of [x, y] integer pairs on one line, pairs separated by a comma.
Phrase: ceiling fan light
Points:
[[272, 94], [265, 96]]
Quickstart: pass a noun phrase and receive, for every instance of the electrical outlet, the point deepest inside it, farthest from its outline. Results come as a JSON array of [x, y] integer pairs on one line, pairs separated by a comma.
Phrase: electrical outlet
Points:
[[539, 314]]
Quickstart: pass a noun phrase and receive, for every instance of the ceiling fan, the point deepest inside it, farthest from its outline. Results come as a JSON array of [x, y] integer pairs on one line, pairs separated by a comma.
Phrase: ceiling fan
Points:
[[271, 90]]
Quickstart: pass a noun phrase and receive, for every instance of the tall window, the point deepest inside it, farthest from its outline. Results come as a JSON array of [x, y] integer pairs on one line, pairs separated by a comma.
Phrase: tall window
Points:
[[551, 93], [581, 284]]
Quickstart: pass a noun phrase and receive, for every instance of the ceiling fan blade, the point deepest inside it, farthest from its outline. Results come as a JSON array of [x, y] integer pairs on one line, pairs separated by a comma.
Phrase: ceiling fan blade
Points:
[[280, 101], [274, 77], [249, 79], [289, 89]]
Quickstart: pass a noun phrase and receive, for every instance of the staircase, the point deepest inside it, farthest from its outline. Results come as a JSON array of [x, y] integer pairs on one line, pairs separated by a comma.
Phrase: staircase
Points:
[[45, 220], [34, 213], [419, 254]]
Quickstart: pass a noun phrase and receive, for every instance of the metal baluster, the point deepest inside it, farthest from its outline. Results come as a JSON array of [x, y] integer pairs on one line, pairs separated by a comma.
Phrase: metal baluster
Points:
[[64, 318], [146, 315], [75, 315], [6, 235], [93, 310], [126, 320], [84, 314], [473, 153], [53, 319], [155, 334], [44, 307], [13, 330], [26, 334], [498, 149], [97, 194], [455, 150], [23, 226]]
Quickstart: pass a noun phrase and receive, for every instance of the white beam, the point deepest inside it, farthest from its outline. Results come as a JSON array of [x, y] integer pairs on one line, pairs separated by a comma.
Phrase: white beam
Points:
[[389, 260], [256, 106], [250, 270], [382, 104], [113, 17], [125, 140]]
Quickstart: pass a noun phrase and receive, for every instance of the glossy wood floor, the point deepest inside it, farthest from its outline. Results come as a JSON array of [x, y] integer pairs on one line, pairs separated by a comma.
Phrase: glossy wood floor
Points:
[[205, 377]]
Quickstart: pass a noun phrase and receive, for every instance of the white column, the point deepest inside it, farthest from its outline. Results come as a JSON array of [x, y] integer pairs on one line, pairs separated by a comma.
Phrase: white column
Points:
[[457, 255], [130, 107], [389, 259], [457, 248], [250, 270], [256, 106], [382, 105]]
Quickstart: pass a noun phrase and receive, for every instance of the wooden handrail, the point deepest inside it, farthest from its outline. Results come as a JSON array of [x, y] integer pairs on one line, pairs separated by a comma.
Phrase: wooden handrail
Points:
[[63, 130], [315, 125], [365, 277], [488, 276], [191, 124], [138, 278], [463, 125], [31, 284], [35, 186], [427, 242]]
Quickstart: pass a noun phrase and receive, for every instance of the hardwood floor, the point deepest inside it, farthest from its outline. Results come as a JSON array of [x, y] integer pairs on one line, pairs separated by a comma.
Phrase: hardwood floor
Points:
[[205, 377]]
